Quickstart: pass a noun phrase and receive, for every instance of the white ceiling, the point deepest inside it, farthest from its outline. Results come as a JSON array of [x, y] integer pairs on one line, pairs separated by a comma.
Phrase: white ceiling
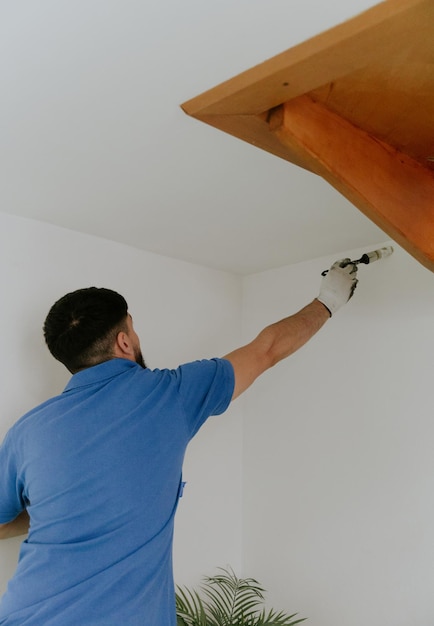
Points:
[[93, 137]]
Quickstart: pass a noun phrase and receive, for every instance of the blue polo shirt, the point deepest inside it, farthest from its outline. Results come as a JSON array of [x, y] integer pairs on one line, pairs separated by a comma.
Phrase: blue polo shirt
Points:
[[99, 470]]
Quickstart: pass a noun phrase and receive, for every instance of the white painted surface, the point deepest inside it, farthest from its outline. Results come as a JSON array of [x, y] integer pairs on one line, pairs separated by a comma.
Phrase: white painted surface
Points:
[[338, 450], [325, 495], [181, 312], [93, 137]]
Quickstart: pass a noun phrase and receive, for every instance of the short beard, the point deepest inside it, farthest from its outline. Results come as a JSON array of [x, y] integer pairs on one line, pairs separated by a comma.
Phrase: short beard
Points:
[[139, 359]]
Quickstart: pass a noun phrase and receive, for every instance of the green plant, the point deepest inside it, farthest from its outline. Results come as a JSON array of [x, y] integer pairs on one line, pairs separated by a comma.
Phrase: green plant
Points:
[[227, 600]]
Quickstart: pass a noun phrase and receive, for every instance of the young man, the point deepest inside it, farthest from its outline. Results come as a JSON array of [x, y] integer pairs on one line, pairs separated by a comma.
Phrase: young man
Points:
[[94, 474]]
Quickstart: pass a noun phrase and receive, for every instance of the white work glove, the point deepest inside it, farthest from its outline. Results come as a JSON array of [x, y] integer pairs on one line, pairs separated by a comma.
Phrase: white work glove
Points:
[[338, 285]]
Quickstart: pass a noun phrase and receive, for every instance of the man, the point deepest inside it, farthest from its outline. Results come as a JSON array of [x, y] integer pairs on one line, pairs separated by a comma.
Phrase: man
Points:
[[94, 474]]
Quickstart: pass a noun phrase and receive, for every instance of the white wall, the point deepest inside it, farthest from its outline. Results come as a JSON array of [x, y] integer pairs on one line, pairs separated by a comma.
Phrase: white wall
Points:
[[181, 312], [338, 450], [338, 467]]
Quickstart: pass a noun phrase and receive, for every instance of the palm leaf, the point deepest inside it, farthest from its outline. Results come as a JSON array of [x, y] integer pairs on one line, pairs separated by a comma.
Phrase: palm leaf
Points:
[[231, 600], [274, 618], [190, 610], [228, 601]]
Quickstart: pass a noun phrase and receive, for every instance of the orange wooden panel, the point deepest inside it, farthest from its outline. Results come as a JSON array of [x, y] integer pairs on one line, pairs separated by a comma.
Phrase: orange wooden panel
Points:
[[366, 88], [386, 31], [391, 188]]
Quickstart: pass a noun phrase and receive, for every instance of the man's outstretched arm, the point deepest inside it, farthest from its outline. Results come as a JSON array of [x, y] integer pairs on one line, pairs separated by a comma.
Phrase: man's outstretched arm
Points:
[[283, 338], [15, 528]]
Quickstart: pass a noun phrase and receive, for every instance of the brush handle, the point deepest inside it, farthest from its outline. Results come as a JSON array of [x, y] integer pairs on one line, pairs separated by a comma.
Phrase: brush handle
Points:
[[368, 257], [375, 255]]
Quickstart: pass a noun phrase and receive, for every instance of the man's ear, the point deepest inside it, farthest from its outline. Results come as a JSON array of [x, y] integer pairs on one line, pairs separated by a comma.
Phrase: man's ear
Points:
[[123, 346]]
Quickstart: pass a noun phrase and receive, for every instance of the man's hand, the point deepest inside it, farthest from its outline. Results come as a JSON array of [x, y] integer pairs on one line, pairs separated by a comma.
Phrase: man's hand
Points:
[[15, 528], [338, 285]]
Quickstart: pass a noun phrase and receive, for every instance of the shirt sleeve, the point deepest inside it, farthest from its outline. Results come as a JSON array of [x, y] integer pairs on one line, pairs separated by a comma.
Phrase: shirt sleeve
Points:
[[11, 499], [206, 388]]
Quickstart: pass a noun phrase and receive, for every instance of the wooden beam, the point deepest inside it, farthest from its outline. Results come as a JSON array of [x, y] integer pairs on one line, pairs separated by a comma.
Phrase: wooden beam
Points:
[[392, 189], [255, 130], [386, 30], [355, 105]]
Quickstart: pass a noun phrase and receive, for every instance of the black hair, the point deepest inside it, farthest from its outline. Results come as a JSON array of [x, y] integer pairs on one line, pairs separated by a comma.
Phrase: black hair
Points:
[[81, 327]]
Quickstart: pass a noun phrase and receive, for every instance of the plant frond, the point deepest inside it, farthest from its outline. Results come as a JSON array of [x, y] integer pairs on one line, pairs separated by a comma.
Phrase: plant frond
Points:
[[231, 600], [190, 610], [228, 601], [274, 618]]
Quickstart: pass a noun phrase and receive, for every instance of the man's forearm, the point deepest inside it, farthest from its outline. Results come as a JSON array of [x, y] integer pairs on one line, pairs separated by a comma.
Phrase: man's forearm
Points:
[[275, 343], [288, 335], [15, 528], [279, 340]]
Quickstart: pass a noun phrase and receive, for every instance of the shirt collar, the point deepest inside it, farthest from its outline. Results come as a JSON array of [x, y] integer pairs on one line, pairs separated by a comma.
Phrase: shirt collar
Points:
[[99, 373]]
